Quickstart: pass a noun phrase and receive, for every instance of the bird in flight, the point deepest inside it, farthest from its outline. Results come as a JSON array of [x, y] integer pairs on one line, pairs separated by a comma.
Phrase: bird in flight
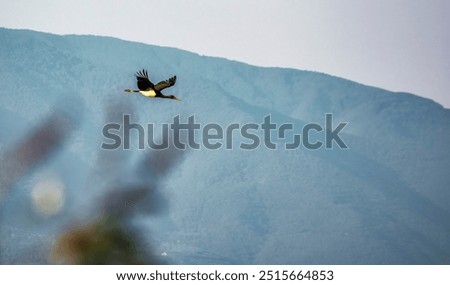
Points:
[[148, 89]]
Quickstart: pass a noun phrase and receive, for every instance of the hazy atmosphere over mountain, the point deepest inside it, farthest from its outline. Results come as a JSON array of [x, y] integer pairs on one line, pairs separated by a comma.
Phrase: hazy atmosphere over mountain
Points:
[[383, 200]]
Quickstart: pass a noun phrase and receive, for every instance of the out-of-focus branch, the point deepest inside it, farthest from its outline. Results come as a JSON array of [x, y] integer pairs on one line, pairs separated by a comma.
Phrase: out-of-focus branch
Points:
[[33, 149]]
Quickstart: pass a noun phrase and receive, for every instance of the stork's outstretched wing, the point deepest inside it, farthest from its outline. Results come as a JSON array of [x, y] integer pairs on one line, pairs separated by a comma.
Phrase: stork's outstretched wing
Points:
[[143, 82], [166, 83]]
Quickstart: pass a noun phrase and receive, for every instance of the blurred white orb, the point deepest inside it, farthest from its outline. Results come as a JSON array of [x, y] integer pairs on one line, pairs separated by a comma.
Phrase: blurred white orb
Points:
[[48, 196]]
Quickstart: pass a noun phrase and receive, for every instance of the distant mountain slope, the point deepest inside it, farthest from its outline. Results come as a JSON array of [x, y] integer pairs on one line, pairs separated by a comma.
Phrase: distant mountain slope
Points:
[[382, 201]]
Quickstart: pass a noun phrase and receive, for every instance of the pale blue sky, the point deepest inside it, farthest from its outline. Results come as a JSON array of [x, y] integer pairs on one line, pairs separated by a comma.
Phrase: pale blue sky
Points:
[[399, 45]]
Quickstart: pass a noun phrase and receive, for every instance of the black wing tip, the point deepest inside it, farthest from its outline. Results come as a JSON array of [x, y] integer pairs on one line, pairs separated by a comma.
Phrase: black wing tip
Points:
[[142, 74]]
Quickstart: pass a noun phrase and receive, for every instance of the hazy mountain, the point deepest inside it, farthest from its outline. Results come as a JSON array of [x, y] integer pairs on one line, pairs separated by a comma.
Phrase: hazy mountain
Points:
[[384, 200]]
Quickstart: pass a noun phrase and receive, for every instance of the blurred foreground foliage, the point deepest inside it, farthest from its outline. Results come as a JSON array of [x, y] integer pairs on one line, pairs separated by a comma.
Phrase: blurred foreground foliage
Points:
[[107, 235]]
